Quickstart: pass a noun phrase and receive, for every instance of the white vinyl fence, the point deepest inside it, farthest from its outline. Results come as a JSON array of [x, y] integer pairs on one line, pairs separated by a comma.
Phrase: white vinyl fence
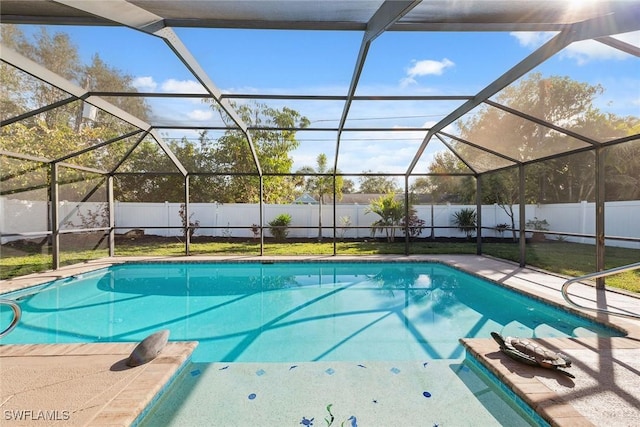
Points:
[[21, 219]]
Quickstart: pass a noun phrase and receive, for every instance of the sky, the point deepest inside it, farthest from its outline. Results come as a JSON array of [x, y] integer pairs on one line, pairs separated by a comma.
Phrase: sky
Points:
[[322, 63]]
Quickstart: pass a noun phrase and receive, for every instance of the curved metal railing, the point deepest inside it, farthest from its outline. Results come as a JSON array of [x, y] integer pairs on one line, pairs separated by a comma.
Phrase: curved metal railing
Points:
[[609, 272], [17, 313]]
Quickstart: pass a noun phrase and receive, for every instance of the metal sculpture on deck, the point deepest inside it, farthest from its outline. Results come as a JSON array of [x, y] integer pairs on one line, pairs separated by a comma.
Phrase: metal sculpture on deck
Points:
[[529, 352]]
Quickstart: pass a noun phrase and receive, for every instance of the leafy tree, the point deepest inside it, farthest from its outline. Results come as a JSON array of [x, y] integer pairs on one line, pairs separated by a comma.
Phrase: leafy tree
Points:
[[377, 184], [321, 184], [100, 77], [231, 154], [56, 53], [623, 177], [421, 185], [58, 132], [12, 82], [447, 186], [142, 183], [502, 189], [348, 186], [558, 100], [570, 178]]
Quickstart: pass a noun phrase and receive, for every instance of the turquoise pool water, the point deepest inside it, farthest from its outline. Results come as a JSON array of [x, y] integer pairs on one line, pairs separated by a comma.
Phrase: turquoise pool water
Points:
[[289, 312]]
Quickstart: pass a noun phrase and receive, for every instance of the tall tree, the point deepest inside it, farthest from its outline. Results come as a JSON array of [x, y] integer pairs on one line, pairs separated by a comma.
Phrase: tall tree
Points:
[[12, 82], [232, 155], [321, 183], [557, 100], [502, 189], [447, 186], [377, 184], [348, 186], [623, 177], [59, 132]]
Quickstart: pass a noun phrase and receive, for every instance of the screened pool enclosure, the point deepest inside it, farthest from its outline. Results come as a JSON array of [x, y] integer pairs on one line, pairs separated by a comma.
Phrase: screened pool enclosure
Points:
[[345, 119]]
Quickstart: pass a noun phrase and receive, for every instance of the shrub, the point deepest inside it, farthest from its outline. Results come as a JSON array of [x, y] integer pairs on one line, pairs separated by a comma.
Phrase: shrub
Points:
[[537, 224], [193, 225], [465, 219], [255, 229], [279, 226], [415, 225], [345, 223], [500, 228]]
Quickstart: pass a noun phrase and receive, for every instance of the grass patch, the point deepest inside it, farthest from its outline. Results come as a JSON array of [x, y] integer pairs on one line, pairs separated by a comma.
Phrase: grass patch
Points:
[[571, 259]]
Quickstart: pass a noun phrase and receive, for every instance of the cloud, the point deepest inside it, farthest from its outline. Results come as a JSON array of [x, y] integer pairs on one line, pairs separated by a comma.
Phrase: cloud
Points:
[[425, 67], [632, 38], [182, 86], [582, 51], [533, 39], [148, 84], [200, 115], [591, 50], [144, 84]]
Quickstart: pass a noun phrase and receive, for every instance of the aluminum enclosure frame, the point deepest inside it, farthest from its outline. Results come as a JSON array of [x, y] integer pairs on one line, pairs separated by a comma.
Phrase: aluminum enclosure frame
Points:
[[373, 19]]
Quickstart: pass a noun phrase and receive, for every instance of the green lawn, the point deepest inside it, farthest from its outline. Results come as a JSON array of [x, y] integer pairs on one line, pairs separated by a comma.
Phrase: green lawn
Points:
[[569, 259]]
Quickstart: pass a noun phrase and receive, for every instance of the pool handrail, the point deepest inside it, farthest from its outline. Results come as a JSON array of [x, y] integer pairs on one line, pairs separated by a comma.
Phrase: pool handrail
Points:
[[604, 273], [17, 313]]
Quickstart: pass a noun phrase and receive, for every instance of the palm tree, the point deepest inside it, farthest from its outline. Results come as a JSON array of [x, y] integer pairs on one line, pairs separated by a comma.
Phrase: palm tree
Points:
[[465, 219], [321, 183], [391, 213]]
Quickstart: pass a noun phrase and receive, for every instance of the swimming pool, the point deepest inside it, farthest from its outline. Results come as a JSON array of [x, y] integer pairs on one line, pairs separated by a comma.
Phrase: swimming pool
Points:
[[289, 312], [313, 319]]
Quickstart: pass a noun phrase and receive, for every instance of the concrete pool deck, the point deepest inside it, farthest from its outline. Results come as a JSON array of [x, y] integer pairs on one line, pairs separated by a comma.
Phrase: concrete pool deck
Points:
[[606, 390]]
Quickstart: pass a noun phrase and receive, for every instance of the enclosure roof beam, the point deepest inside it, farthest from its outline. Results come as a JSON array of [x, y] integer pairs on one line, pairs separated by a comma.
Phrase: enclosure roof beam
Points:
[[386, 15], [549, 49], [586, 149], [37, 111], [28, 66], [34, 69], [81, 168], [135, 17], [21, 156], [621, 140], [455, 153], [542, 122], [128, 153], [479, 147], [597, 27], [99, 145], [284, 96], [295, 129], [620, 45], [154, 133]]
